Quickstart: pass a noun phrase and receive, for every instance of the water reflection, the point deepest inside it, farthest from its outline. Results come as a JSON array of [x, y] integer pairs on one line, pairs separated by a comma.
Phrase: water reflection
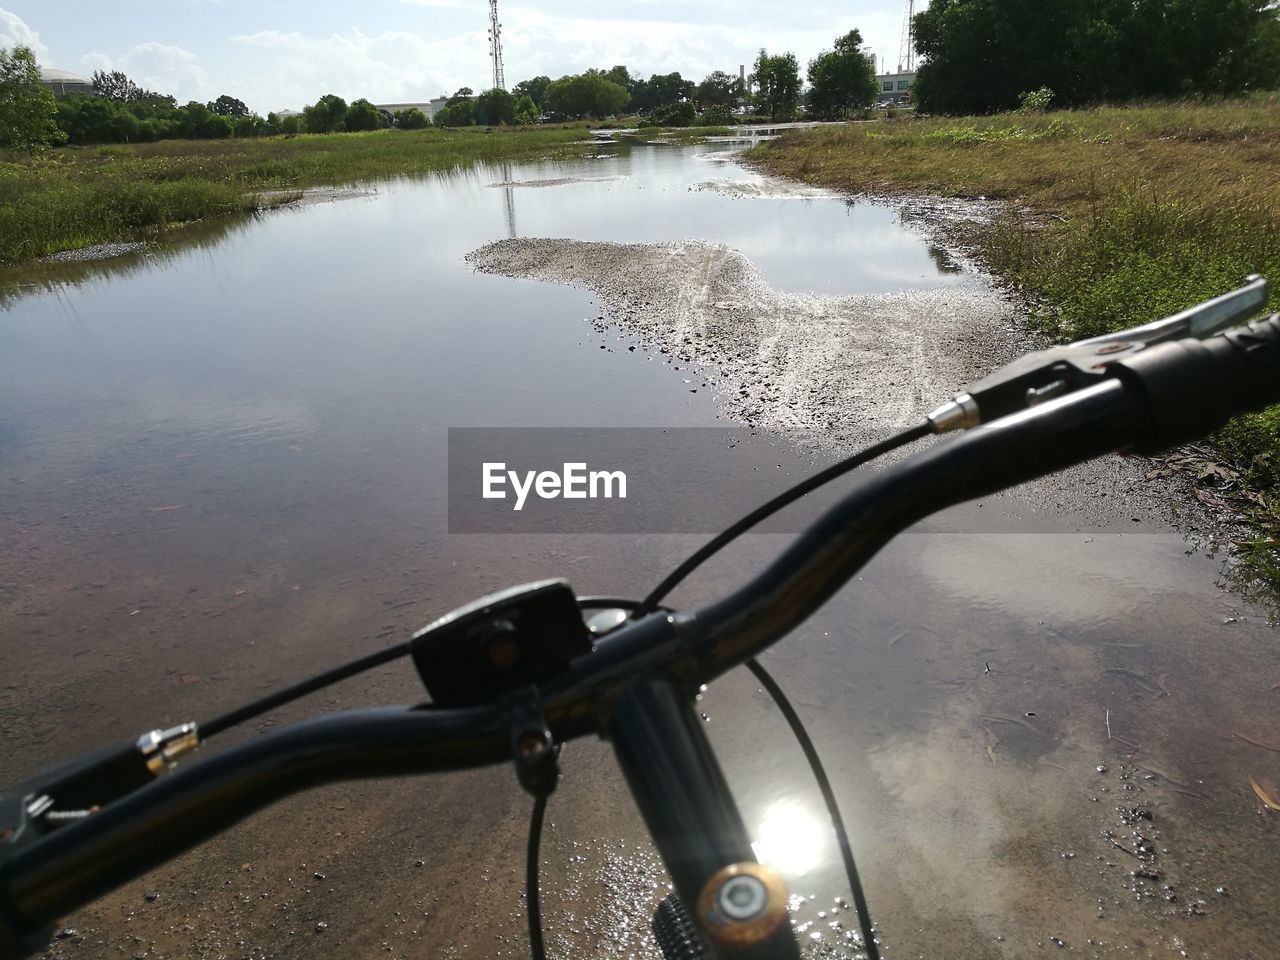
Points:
[[943, 260], [17, 283], [509, 199]]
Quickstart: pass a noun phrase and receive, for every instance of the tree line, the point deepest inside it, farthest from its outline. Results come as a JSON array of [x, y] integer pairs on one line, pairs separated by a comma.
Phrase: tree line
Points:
[[980, 56], [841, 80]]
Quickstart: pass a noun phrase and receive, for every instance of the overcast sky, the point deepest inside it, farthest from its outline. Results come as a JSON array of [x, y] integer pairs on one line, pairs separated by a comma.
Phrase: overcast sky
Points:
[[277, 54]]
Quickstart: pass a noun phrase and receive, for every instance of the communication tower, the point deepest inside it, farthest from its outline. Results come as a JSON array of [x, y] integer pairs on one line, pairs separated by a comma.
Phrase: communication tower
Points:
[[495, 46], [907, 54]]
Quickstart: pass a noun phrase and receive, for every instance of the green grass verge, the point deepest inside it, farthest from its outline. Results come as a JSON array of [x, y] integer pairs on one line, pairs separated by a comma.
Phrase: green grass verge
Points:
[[77, 197], [1119, 215]]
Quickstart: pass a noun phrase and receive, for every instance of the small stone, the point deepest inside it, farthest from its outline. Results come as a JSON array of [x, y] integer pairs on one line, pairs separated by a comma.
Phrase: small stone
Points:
[[151, 896], [318, 876], [321, 927]]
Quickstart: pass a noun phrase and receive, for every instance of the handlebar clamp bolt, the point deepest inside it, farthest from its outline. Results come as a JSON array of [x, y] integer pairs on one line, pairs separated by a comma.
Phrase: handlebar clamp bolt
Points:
[[742, 897], [743, 904]]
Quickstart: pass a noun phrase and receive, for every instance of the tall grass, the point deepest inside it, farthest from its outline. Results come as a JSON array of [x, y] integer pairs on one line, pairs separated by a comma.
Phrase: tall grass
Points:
[[76, 197], [1119, 215]]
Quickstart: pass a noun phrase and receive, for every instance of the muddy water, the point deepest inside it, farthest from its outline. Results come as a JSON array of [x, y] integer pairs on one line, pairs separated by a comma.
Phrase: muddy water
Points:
[[222, 466]]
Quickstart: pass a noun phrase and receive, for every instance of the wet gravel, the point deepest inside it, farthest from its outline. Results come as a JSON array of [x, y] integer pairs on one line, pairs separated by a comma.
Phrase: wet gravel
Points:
[[101, 251]]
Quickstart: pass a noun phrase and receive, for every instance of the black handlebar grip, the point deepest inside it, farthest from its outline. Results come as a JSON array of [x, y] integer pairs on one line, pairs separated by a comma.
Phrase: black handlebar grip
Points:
[[1194, 387]]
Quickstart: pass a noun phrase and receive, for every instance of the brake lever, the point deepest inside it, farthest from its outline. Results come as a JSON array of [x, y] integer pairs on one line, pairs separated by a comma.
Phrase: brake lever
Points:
[[1047, 374], [81, 786]]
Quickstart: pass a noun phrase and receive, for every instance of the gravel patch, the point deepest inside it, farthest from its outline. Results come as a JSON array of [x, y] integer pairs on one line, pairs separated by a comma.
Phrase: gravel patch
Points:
[[557, 181], [766, 188], [101, 251], [313, 195]]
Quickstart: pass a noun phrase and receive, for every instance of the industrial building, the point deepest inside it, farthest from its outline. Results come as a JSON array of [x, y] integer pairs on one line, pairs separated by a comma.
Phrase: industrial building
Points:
[[61, 82], [896, 87], [430, 108]]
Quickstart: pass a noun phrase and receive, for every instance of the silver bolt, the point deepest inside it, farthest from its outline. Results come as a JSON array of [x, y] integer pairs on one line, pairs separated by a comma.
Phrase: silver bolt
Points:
[[742, 897]]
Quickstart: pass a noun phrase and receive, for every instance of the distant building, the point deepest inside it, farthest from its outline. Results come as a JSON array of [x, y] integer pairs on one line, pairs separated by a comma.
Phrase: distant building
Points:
[[61, 82], [430, 108], [896, 87]]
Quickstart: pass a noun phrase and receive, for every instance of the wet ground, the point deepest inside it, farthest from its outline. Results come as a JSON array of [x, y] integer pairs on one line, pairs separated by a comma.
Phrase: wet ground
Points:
[[221, 468]]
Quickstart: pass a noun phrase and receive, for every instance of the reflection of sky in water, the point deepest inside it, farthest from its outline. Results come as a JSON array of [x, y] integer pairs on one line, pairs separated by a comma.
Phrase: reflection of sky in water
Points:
[[363, 315]]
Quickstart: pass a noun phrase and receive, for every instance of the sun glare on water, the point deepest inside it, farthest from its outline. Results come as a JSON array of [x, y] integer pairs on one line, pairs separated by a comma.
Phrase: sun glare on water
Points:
[[789, 839]]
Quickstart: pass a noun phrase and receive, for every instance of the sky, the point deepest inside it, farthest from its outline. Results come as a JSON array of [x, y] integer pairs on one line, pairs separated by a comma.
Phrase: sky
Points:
[[284, 54]]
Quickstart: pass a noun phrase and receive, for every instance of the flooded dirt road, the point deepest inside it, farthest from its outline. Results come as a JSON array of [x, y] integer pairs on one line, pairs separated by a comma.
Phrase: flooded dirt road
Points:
[[222, 467]]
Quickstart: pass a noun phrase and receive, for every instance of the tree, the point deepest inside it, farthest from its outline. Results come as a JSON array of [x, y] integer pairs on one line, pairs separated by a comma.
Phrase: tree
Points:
[[1088, 50], [660, 90], [494, 107], [842, 79], [412, 119], [115, 86], [620, 75], [462, 93], [671, 115], [250, 125], [527, 111], [198, 122], [226, 106], [777, 83], [362, 115], [587, 94], [326, 115], [459, 113], [718, 89], [535, 90], [27, 109]]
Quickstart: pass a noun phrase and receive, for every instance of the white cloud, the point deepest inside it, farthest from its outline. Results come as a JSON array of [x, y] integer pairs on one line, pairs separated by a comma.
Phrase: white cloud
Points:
[[161, 67], [443, 4], [535, 42], [391, 66], [15, 33]]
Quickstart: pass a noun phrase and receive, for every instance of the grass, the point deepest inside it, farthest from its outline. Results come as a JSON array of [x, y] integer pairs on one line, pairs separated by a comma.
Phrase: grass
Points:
[[77, 197], [1118, 215]]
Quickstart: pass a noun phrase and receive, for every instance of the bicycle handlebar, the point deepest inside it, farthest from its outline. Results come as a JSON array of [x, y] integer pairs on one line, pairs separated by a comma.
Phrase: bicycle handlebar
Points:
[[1162, 395]]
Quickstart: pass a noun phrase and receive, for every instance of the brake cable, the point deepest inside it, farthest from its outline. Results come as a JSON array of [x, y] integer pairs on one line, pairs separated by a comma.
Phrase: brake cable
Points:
[[311, 685]]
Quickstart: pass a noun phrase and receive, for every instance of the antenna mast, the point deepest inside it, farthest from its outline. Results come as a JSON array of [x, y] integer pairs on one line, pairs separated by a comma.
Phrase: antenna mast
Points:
[[495, 46], [907, 54]]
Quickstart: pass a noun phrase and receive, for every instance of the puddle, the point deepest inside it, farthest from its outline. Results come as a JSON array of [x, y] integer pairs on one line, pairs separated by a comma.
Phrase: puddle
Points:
[[223, 457]]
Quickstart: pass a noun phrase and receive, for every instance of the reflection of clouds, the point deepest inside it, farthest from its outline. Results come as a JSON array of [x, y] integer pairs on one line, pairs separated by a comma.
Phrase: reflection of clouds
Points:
[[961, 819], [1094, 579], [17, 283], [211, 416]]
